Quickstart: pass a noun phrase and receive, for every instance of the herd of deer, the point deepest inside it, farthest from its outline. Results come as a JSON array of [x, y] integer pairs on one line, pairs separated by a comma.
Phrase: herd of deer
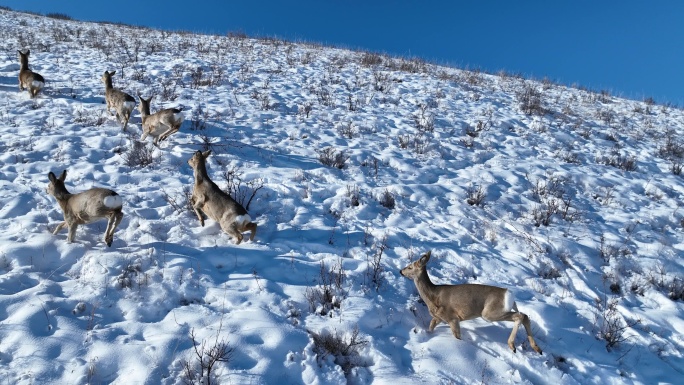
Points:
[[446, 303]]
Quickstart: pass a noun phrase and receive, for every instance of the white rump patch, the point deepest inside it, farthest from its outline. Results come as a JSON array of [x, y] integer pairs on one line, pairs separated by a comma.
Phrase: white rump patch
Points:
[[129, 105], [509, 301], [113, 201], [37, 84], [242, 220], [178, 117]]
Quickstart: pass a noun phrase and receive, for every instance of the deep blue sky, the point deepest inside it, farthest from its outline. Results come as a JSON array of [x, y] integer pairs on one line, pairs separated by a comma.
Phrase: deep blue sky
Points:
[[631, 48]]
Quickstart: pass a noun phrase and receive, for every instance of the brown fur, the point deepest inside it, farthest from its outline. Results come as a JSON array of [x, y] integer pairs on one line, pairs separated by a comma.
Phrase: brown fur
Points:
[[29, 80], [122, 102], [217, 205], [455, 303], [161, 124], [84, 207]]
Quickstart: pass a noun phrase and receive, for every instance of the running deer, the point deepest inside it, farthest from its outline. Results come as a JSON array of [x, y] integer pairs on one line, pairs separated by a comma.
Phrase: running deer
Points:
[[161, 124], [122, 102], [216, 204], [29, 80], [85, 207], [452, 304]]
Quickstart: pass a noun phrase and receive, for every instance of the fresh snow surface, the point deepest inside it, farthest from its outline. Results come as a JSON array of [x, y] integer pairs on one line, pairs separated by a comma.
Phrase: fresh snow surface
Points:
[[430, 137]]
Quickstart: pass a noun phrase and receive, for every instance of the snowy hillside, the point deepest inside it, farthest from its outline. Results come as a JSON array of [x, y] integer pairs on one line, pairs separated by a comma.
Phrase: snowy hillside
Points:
[[353, 164]]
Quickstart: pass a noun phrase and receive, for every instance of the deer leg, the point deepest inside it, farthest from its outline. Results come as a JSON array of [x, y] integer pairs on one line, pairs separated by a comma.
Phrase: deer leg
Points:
[[199, 216], [435, 319], [434, 322], [232, 230], [126, 117], [109, 233], [72, 232], [145, 133], [165, 134], [519, 318], [511, 339], [59, 227], [251, 226], [455, 328], [114, 221], [528, 329], [168, 133], [197, 204]]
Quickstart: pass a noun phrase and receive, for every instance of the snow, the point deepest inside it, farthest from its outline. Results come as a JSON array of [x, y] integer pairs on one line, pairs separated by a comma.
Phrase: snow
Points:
[[426, 137]]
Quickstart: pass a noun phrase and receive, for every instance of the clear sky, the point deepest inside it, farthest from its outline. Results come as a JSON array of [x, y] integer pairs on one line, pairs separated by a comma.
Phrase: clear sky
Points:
[[631, 48]]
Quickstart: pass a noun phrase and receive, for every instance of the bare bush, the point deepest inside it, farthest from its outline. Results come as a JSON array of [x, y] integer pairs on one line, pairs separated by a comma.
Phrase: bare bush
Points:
[[180, 202], [197, 78], [347, 130], [548, 271], [125, 280], [353, 194], [241, 191], [200, 370], [410, 65], [609, 324], [609, 251], [387, 200], [305, 109], [382, 81], [672, 147], [168, 89], [475, 195], [346, 352], [554, 200], [424, 120], [375, 268], [325, 95], [619, 160], [139, 155], [198, 121], [330, 157], [328, 294], [89, 118], [58, 16], [662, 280], [530, 100], [370, 59]]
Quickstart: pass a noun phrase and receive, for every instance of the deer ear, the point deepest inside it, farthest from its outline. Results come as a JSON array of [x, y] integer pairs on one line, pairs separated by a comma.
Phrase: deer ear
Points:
[[206, 153], [63, 176], [51, 177], [425, 258]]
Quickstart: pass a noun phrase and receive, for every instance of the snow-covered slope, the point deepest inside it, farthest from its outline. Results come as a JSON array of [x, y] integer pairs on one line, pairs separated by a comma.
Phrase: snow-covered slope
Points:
[[575, 208]]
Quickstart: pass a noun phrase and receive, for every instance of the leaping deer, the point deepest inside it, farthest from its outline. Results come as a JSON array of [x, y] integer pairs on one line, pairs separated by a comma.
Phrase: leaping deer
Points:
[[219, 206]]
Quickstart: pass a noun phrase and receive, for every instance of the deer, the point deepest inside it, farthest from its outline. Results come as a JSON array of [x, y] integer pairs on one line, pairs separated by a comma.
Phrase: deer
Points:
[[161, 124], [452, 304], [29, 80], [85, 207], [207, 198], [122, 102]]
